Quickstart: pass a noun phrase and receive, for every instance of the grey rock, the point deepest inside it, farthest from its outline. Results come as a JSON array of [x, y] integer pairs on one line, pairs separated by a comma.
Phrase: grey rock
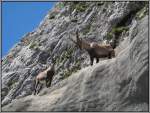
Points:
[[24, 62], [118, 84], [42, 58]]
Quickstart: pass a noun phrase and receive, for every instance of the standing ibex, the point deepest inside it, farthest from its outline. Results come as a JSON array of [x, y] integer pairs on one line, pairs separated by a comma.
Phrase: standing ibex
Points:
[[94, 50], [46, 76]]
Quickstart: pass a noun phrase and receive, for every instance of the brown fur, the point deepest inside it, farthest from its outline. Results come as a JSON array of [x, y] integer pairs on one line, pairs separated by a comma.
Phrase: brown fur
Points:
[[95, 50], [46, 76]]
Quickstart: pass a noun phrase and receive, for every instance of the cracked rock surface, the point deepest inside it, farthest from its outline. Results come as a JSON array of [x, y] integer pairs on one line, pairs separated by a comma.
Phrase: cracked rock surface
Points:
[[117, 84]]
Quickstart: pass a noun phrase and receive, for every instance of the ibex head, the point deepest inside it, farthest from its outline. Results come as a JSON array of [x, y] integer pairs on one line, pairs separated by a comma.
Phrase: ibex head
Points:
[[78, 41]]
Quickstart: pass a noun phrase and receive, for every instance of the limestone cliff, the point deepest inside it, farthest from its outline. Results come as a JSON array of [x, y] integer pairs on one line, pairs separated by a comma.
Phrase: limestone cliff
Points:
[[118, 84]]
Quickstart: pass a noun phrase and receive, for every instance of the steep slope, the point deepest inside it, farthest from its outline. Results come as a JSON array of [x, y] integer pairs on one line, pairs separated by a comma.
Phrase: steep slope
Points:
[[96, 21], [118, 84]]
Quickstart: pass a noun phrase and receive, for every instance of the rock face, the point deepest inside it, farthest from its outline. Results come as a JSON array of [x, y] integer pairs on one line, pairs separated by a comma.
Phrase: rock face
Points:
[[118, 84]]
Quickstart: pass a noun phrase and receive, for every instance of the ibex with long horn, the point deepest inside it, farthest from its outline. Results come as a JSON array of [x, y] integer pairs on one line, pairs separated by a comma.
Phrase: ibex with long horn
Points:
[[94, 50], [46, 75]]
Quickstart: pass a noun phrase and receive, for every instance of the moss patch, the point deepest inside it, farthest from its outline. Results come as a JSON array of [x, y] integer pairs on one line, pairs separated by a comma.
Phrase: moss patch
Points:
[[144, 11], [67, 73], [61, 5], [79, 6], [109, 36], [120, 29], [11, 84], [5, 61], [34, 46], [116, 31], [63, 58]]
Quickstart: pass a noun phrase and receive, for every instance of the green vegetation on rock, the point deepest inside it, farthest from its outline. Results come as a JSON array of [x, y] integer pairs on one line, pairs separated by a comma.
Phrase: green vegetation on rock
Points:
[[5, 61], [144, 11], [116, 30], [109, 36], [79, 6], [61, 5], [87, 29], [119, 29], [67, 73], [74, 69], [65, 55], [34, 45], [12, 83]]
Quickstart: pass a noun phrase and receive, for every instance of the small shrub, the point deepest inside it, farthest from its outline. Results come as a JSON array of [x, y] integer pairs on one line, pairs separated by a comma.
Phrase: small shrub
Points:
[[61, 5], [100, 3], [33, 45], [57, 60], [119, 29], [116, 31], [5, 61], [68, 53], [51, 16], [77, 66], [58, 7], [67, 73], [14, 85], [62, 57], [109, 36], [10, 84], [140, 14], [65, 55], [79, 6]]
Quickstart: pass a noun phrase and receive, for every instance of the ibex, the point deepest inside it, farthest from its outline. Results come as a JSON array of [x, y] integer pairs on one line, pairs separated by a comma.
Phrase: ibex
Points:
[[46, 76], [94, 50]]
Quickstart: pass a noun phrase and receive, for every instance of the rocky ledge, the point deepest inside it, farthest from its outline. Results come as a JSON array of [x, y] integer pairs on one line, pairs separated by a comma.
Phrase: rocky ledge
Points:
[[118, 84]]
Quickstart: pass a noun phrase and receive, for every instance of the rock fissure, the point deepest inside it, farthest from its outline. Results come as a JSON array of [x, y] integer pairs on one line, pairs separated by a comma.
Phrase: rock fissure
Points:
[[117, 84]]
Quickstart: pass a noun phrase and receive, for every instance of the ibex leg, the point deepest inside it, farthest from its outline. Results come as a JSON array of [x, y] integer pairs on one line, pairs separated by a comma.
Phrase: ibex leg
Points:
[[97, 60], [47, 83], [92, 59], [109, 55]]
